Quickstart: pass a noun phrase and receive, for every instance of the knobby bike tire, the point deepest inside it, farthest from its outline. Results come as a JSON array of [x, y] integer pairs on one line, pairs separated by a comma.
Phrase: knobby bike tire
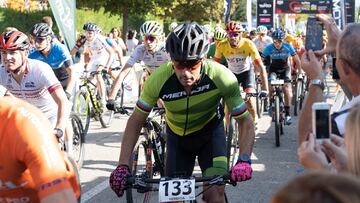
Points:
[[277, 120], [302, 94], [297, 97], [259, 103], [74, 181], [100, 112], [141, 146], [159, 156], [82, 108], [78, 140], [231, 142]]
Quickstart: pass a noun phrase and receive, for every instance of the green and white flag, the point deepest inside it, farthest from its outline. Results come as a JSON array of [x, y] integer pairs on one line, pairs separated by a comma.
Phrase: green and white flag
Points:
[[64, 13]]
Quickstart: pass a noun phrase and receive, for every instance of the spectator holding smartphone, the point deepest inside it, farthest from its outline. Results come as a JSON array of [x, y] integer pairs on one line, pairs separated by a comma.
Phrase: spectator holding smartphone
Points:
[[343, 153], [346, 45]]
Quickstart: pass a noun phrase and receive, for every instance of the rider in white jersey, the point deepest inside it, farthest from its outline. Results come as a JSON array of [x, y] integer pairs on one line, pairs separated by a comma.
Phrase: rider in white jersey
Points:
[[262, 39], [152, 53], [100, 52], [31, 80]]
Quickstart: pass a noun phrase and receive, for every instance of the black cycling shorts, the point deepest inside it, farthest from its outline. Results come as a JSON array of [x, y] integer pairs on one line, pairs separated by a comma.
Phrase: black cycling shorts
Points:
[[246, 79], [208, 145], [283, 73]]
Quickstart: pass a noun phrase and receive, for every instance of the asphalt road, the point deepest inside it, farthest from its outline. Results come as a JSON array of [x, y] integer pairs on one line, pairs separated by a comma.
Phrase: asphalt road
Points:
[[273, 166]]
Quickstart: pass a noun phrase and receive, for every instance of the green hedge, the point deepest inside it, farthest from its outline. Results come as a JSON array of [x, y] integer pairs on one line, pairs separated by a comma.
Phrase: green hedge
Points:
[[24, 21]]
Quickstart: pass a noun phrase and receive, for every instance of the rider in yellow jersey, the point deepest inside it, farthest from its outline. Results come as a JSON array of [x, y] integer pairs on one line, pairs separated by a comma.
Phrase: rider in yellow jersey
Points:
[[240, 53]]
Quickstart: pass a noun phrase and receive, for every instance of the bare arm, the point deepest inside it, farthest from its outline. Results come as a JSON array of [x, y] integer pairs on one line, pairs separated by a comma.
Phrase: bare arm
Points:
[[312, 67], [131, 135], [246, 135], [71, 81], [63, 111], [297, 62], [110, 51], [259, 67], [73, 51], [119, 79], [63, 196]]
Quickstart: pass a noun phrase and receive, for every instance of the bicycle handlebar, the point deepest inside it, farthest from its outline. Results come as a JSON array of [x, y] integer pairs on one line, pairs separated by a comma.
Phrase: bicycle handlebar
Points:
[[142, 183]]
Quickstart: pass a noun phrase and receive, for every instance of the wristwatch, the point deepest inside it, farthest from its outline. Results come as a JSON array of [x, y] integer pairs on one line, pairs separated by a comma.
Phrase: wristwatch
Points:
[[59, 133], [244, 158], [318, 83]]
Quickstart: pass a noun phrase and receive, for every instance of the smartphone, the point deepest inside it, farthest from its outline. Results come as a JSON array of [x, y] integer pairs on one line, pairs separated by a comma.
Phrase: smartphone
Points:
[[314, 34], [321, 124], [335, 73]]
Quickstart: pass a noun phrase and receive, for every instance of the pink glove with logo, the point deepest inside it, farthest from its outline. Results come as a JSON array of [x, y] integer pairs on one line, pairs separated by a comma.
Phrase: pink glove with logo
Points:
[[241, 172], [118, 179]]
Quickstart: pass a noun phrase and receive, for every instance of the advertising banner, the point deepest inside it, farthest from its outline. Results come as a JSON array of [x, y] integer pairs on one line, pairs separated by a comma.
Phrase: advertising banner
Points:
[[349, 12], [64, 13], [265, 13], [302, 7], [227, 9]]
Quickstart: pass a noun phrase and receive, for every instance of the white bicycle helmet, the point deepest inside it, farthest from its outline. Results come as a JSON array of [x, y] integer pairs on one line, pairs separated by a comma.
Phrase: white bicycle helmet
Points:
[[261, 29], [151, 28]]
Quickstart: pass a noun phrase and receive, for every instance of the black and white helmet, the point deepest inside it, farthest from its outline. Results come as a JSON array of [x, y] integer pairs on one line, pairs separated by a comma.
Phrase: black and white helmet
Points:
[[90, 27], [41, 30], [188, 41], [151, 28]]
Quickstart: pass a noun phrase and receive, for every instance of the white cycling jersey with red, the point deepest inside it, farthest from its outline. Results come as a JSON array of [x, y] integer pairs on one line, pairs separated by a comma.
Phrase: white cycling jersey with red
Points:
[[151, 60], [36, 86], [261, 44], [97, 47]]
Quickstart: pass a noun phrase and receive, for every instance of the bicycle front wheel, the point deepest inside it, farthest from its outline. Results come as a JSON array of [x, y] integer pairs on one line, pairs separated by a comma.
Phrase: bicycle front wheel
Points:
[[78, 140], [141, 164], [277, 120], [232, 142], [82, 108]]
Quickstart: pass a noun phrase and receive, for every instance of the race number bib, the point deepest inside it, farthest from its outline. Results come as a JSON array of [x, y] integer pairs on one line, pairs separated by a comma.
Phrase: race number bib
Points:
[[177, 190]]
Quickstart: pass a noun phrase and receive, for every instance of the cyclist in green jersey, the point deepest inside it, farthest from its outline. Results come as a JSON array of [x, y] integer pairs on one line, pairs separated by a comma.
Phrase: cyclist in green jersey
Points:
[[191, 87]]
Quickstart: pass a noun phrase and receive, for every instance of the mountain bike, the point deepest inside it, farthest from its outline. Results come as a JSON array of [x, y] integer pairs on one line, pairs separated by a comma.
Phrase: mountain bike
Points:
[[278, 110], [299, 93], [178, 189], [87, 102], [232, 137], [148, 157], [260, 102], [78, 140]]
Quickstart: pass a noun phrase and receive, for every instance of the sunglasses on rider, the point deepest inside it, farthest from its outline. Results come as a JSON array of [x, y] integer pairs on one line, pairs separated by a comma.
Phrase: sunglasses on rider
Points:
[[192, 64], [150, 38], [40, 39], [278, 41], [234, 34]]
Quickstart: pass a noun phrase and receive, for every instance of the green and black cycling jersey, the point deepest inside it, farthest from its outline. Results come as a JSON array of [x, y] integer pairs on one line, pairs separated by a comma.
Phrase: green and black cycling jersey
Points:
[[186, 114]]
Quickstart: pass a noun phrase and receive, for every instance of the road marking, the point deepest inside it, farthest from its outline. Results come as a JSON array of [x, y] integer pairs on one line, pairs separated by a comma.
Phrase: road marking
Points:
[[94, 191]]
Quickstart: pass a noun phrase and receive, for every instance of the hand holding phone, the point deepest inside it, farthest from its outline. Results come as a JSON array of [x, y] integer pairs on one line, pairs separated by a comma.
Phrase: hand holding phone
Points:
[[321, 123], [314, 34]]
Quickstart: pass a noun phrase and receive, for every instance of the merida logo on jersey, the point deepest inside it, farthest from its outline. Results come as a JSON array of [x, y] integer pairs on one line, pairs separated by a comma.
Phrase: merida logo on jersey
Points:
[[183, 93]]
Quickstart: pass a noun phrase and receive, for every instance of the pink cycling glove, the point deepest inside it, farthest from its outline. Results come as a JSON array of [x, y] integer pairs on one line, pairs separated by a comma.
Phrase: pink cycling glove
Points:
[[118, 179], [241, 171]]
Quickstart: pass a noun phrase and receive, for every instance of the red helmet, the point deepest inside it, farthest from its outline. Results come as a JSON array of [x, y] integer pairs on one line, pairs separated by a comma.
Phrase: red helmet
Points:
[[14, 40], [233, 26]]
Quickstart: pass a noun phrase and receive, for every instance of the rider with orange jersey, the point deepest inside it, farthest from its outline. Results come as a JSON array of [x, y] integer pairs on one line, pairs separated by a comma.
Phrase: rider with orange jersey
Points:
[[32, 167]]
